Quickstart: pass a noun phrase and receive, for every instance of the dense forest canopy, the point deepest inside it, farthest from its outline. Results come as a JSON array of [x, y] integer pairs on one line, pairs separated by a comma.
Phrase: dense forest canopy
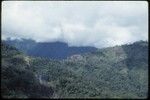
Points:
[[113, 72]]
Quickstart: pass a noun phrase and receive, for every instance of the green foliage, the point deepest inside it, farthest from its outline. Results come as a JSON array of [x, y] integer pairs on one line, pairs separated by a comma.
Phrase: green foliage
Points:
[[114, 72], [18, 79]]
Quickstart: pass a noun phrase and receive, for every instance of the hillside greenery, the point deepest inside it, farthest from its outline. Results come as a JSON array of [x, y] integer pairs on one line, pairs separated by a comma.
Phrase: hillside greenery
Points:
[[113, 72]]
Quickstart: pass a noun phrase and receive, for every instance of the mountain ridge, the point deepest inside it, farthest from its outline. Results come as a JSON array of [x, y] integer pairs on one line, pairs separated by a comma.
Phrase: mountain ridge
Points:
[[54, 50]]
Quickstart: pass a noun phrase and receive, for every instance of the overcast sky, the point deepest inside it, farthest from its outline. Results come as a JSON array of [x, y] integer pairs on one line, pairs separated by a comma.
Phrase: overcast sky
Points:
[[78, 23]]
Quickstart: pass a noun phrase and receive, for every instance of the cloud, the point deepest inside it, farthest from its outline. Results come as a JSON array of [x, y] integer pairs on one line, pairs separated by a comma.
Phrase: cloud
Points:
[[88, 23]]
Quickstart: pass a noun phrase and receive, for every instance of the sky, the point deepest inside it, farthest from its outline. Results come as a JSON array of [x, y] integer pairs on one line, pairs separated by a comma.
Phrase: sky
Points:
[[78, 23]]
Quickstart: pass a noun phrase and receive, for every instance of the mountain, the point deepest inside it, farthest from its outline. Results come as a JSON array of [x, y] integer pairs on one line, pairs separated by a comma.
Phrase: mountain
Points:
[[53, 50], [113, 72], [17, 78]]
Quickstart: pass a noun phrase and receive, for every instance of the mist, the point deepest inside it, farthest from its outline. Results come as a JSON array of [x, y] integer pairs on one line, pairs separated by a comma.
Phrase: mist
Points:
[[78, 23]]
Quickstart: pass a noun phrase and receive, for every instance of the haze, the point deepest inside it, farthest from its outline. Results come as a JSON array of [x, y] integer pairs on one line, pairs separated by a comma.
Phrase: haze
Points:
[[78, 23]]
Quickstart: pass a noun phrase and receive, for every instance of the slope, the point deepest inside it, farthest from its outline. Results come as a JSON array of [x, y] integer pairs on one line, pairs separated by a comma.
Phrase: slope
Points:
[[17, 78], [113, 72], [53, 50]]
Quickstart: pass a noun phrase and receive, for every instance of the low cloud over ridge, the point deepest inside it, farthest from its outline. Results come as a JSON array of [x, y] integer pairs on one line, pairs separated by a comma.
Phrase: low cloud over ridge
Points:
[[78, 23]]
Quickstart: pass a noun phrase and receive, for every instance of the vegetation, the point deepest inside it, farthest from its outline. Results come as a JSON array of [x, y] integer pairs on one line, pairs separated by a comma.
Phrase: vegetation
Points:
[[114, 72], [18, 80], [53, 50]]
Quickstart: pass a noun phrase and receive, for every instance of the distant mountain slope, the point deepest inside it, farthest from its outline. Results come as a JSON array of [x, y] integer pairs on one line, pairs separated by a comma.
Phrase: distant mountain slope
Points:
[[135, 54], [113, 72], [54, 50]]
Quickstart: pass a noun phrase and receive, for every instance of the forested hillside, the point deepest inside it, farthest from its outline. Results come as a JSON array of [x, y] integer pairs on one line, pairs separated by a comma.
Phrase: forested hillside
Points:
[[17, 77], [114, 72], [52, 50]]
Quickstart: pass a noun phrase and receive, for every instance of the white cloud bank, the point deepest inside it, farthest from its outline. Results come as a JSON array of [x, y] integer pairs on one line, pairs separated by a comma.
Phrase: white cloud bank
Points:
[[79, 23]]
